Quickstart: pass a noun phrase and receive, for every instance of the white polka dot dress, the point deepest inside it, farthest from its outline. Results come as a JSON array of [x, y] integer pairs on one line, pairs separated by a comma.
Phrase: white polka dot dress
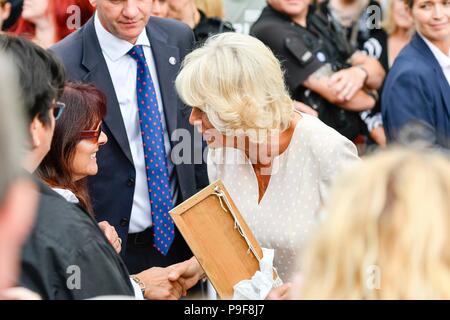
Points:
[[289, 210]]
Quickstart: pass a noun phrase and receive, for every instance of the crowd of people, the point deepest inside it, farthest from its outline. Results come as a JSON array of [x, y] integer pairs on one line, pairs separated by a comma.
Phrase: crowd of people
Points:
[[329, 124]]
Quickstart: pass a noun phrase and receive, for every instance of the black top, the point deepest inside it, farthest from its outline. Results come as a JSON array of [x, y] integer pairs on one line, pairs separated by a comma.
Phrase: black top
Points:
[[287, 41], [68, 257], [302, 51], [209, 26]]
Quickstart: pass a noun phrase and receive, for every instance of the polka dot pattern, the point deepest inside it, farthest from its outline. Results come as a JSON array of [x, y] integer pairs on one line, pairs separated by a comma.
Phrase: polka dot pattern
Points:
[[288, 213], [155, 157]]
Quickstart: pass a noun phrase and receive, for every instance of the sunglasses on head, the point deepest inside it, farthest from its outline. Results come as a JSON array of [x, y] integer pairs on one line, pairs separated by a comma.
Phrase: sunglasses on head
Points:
[[58, 108], [94, 135]]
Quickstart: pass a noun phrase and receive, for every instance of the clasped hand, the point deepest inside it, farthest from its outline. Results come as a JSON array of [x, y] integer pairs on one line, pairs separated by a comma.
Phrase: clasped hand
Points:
[[173, 282], [347, 82]]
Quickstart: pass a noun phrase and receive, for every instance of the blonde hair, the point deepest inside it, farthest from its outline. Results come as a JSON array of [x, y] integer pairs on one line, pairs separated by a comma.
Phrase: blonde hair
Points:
[[237, 81], [389, 215], [388, 23], [212, 8]]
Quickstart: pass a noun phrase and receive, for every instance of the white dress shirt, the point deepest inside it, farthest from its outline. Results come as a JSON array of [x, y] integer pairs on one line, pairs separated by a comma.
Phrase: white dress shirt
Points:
[[122, 69], [442, 58]]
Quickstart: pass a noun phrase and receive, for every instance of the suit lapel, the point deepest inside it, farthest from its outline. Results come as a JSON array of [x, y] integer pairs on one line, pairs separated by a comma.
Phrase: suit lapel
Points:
[[167, 61], [98, 74], [442, 80]]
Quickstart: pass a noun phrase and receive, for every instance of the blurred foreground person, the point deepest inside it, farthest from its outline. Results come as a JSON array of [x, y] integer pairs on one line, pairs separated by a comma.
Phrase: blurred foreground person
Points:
[[416, 94], [18, 195], [386, 233]]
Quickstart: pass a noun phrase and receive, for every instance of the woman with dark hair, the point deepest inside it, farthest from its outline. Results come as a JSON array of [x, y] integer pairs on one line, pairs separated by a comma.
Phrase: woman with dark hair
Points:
[[46, 22], [416, 94], [76, 140]]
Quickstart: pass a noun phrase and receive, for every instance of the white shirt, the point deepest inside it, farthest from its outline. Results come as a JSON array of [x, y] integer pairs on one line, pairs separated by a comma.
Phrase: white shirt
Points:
[[72, 198], [442, 58], [122, 69], [289, 211]]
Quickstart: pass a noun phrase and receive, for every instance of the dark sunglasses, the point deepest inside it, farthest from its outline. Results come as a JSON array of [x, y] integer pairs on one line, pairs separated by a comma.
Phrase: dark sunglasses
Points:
[[58, 108], [94, 135]]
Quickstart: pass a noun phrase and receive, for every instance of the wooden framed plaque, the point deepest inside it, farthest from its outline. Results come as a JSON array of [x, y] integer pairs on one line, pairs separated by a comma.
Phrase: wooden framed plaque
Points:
[[219, 237]]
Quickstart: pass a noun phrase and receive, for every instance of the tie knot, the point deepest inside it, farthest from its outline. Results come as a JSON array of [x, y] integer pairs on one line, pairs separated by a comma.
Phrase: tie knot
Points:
[[137, 53]]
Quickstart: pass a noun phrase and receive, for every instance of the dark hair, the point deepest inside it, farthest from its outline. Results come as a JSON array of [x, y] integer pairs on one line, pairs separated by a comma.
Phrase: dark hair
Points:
[[41, 75], [85, 108], [409, 3]]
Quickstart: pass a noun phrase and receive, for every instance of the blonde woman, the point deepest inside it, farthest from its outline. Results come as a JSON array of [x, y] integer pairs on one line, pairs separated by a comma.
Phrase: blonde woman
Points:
[[212, 8], [399, 27], [387, 232], [276, 163]]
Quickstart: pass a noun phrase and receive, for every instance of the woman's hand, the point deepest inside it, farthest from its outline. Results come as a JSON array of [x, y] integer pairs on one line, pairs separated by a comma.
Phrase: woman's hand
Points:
[[280, 293], [111, 234], [299, 106]]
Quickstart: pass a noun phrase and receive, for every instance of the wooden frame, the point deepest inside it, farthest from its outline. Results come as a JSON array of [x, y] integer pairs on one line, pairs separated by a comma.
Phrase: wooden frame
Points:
[[210, 232]]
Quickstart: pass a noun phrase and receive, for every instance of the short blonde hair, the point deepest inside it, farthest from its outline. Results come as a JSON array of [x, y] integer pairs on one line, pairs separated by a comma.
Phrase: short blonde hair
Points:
[[390, 214], [237, 81]]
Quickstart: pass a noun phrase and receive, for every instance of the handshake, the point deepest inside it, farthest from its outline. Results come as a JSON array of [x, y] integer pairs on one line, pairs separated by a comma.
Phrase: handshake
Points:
[[172, 282]]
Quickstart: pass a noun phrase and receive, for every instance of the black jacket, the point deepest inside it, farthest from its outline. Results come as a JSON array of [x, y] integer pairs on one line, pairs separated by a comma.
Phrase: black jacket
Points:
[[68, 257]]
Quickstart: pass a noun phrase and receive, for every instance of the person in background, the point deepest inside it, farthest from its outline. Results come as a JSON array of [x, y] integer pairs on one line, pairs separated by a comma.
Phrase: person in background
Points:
[[119, 58], [360, 22], [5, 11], [276, 163], [46, 22], [399, 28], [211, 8], [18, 194], [64, 235], [416, 95], [202, 25], [72, 156], [160, 8], [322, 70], [386, 234]]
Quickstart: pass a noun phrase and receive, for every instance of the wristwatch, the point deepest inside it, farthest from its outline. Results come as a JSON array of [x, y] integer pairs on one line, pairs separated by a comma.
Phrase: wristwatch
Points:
[[139, 283]]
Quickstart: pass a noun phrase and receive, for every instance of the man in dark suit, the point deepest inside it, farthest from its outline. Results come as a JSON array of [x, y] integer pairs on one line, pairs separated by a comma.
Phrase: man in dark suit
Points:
[[134, 61]]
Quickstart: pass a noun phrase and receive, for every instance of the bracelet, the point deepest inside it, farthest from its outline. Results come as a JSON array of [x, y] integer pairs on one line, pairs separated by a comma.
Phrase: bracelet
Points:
[[139, 283]]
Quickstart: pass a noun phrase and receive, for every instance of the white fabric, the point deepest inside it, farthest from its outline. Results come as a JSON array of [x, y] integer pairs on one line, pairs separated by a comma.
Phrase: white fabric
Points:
[[442, 58], [259, 286], [70, 197], [301, 177], [67, 194], [122, 69]]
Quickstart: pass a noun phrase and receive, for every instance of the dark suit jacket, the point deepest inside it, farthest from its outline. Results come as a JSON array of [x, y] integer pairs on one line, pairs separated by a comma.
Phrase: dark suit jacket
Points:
[[67, 256], [417, 92], [112, 189]]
